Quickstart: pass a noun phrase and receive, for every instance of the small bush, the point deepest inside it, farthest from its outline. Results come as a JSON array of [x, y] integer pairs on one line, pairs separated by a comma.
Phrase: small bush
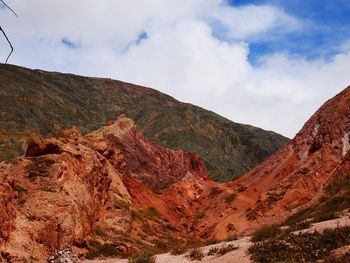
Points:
[[298, 216], [226, 249], [142, 257], [107, 250], [171, 228], [222, 250], [213, 251], [303, 171], [199, 216], [178, 250], [49, 189], [229, 199], [147, 212], [265, 232], [195, 254], [338, 184], [122, 204], [100, 233]]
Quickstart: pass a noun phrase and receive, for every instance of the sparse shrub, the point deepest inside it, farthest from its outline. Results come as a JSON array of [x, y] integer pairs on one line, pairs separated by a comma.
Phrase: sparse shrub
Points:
[[147, 212], [100, 233], [199, 216], [226, 249], [178, 250], [97, 249], [19, 189], [303, 247], [195, 254], [222, 250], [299, 226], [303, 171], [171, 228], [229, 199], [213, 251], [338, 184], [32, 218], [297, 217], [160, 244], [142, 257], [49, 189], [8, 157], [265, 232], [270, 252], [122, 204]]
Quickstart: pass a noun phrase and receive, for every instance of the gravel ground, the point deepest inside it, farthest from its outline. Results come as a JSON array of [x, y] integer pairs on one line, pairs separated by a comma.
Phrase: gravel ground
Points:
[[235, 256]]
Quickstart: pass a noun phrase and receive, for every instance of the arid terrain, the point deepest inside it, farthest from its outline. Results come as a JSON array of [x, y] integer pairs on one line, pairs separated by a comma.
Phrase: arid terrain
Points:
[[112, 192]]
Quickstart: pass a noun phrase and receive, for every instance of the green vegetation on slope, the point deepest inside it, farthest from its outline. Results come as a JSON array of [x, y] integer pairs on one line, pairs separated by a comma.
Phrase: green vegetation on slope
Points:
[[335, 199], [34, 101], [302, 247]]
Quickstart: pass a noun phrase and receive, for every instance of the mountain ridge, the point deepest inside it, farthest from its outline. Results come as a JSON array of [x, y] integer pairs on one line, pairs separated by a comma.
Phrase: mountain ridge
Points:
[[47, 102]]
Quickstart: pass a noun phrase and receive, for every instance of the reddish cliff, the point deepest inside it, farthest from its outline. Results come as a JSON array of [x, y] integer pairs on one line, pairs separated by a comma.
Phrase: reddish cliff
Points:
[[78, 190], [293, 176]]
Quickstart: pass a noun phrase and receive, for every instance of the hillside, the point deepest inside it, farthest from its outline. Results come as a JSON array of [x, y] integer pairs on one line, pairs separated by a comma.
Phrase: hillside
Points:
[[113, 191], [294, 177], [35, 101]]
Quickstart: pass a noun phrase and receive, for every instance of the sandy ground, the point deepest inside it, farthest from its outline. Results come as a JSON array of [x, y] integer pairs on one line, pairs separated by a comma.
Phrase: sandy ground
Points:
[[236, 256]]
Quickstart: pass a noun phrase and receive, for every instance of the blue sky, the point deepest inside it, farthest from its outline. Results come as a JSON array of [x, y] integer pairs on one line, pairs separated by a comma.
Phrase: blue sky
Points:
[[327, 26], [269, 63]]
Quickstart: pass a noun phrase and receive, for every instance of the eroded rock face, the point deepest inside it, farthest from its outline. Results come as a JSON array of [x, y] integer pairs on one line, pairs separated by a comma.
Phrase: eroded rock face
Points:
[[7, 210], [295, 175], [78, 190], [155, 166]]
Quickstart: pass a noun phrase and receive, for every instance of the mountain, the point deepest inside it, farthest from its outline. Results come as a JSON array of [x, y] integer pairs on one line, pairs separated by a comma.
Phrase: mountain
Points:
[[294, 177], [114, 191], [35, 101]]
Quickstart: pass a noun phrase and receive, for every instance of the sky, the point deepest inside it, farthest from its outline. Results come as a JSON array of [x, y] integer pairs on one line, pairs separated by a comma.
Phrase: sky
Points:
[[268, 63]]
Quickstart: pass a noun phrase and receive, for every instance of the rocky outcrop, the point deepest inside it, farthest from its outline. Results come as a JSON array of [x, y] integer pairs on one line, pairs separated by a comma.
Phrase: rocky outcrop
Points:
[[7, 210], [295, 175], [63, 256], [157, 167], [71, 190]]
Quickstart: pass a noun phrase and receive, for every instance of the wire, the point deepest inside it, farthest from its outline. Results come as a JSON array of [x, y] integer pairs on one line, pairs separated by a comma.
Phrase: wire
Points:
[[9, 8]]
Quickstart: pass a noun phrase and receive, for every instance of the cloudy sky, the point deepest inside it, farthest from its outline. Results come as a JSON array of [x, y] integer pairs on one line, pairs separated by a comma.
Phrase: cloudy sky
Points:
[[269, 63]]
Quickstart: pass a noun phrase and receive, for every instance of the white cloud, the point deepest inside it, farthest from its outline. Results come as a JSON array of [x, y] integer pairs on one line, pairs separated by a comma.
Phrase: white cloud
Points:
[[250, 21], [181, 55]]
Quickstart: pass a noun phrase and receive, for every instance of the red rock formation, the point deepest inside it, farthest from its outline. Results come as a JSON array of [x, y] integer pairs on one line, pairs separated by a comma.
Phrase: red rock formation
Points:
[[7, 209], [293, 176], [115, 186], [156, 166], [70, 186]]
